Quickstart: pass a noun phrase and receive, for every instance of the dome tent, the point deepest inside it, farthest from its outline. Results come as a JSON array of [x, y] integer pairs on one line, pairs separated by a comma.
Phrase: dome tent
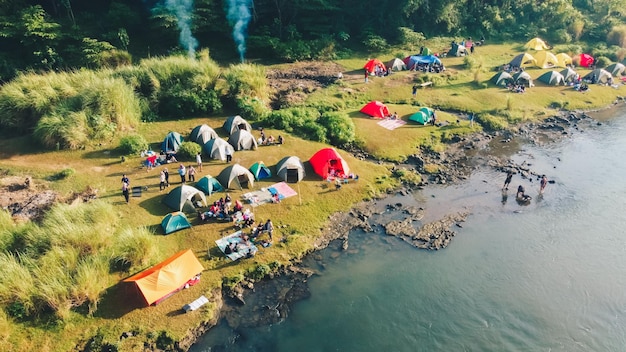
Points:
[[260, 171], [290, 169], [569, 75], [242, 140], [236, 172], [371, 65], [502, 78], [375, 109], [202, 134], [216, 149], [209, 185], [172, 142], [522, 60], [523, 77], [546, 59], [616, 69], [563, 59], [598, 76], [236, 123], [536, 44], [173, 222], [585, 60], [184, 198], [423, 116], [552, 78], [396, 64], [326, 160]]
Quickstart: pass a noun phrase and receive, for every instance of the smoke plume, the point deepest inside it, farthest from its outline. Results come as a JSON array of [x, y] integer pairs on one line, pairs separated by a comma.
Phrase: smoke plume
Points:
[[239, 16], [183, 10]]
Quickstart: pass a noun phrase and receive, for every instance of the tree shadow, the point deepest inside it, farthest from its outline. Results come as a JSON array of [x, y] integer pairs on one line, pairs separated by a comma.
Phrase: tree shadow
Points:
[[119, 300]]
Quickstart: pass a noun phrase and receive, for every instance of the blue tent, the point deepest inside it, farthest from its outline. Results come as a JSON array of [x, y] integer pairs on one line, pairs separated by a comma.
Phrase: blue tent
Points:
[[260, 171], [174, 221], [172, 142], [427, 60]]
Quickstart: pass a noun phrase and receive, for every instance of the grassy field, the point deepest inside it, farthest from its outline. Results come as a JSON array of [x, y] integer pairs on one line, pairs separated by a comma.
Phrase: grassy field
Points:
[[455, 93]]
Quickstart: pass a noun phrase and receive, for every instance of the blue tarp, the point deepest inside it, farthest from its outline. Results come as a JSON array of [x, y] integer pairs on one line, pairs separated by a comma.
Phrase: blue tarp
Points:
[[428, 60]]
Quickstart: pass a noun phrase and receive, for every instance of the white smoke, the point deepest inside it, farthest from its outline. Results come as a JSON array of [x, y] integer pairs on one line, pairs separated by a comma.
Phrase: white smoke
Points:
[[239, 16], [183, 9]]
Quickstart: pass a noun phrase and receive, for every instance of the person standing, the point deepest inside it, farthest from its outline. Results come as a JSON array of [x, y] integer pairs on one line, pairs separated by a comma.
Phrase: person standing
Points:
[[269, 227], [544, 183], [191, 172], [199, 161], [125, 179], [367, 74], [414, 90], [125, 187], [229, 155], [433, 118], [167, 177], [162, 179], [182, 172], [509, 177]]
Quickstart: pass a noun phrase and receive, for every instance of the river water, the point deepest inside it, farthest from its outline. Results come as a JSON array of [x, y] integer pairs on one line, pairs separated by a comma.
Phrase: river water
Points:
[[548, 276]]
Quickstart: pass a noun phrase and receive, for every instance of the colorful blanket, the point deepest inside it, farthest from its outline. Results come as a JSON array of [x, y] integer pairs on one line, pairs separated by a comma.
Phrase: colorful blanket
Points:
[[243, 247], [392, 124]]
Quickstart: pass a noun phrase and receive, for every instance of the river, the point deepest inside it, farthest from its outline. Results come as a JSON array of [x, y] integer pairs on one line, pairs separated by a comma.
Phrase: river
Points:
[[548, 276]]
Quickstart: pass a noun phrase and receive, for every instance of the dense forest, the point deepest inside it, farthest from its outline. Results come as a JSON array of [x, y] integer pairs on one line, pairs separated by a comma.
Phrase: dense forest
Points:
[[62, 34]]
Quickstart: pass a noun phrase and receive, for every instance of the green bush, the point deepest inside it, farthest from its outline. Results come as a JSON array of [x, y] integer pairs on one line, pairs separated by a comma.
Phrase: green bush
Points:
[[339, 127], [410, 39], [63, 174], [491, 122], [188, 150], [602, 61], [252, 109], [259, 272], [182, 100], [375, 43], [617, 36], [132, 144]]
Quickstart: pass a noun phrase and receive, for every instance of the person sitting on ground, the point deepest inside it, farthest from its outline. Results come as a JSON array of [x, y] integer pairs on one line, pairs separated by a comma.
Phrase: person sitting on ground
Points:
[[280, 139], [270, 140], [275, 198], [520, 192], [394, 116], [338, 183], [238, 206]]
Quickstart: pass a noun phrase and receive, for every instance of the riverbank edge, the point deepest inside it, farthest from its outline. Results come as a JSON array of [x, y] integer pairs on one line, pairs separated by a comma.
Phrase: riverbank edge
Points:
[[339, 224]]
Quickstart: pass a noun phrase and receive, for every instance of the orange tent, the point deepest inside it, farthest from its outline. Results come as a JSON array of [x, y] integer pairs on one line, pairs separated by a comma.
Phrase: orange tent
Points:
[[371, 65], [158, 282]]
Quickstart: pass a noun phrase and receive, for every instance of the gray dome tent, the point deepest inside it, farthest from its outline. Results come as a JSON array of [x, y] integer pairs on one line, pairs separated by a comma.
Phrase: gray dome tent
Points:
[[552, 78], [236, 123], [598, 76], [237, 173], [616, 69], [396, 65], [242, 140], [172, 142], [523, 77], [202, 134], [216, 149], [290, 169], [184, 198], [457, 50], [502, 78], [569, 75]]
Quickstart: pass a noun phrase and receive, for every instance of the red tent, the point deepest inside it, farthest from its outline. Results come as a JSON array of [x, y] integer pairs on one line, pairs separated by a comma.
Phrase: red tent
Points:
[[376, 109], [586, 60], [327, 161], [371, 65]]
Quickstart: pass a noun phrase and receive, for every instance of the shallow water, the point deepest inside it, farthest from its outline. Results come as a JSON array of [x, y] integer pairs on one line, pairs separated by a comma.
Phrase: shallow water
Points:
[[548, 276]]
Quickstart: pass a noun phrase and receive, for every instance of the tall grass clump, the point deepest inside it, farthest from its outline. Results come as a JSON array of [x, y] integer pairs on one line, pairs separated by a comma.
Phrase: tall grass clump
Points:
[[246, 83], [339, 126], [617, 36], [134, 248], [17, 285]]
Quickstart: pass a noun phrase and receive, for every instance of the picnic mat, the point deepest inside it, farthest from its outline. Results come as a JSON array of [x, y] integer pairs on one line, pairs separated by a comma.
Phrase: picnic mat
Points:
[[264, 195], [283, 190], [392, 124], [242, 247]]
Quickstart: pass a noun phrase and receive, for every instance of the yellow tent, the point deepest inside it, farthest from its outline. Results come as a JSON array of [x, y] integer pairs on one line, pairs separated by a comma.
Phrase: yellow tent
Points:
[[546, 59], [536, 44], [167, 277], [563, 59], [522, 60]]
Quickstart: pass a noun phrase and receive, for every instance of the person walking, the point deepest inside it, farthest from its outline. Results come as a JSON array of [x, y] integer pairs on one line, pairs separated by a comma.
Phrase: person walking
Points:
[[182, 172], [199, 161], [269, 228], [125, 187], [507, 182], [544, 183], [191, 173], [125, 179], [167, 177], [414, 90], [162, 179]]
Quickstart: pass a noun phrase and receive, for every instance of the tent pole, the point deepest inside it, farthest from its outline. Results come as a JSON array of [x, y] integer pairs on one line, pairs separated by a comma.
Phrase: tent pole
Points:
[[299, 194]]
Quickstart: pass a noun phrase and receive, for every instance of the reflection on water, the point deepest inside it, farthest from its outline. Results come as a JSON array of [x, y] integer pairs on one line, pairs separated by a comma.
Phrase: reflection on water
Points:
[[545, 276]]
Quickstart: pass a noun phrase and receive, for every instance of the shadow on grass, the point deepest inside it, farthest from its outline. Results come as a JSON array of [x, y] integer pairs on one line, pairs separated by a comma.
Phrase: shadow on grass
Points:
[[155, 206], [103, 154], [118, 301], [175, 313]]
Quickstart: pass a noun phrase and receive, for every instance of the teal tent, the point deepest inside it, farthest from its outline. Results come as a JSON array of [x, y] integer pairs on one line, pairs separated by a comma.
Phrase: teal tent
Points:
[[552, 78], [185, 198], [501, 78], [209, 185], [260, 171], [420, 117], [172, 142], [174, 221]]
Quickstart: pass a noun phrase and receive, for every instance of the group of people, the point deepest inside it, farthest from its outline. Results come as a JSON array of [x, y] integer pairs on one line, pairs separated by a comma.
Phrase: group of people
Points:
[[186, 173], [516, 88], [221, 209], [269, 140], [521, 191]]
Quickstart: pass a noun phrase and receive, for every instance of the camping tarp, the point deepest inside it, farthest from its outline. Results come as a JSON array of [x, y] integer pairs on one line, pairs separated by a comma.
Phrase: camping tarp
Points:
[[546, 59], [376, 109], [241, 176], [536, 44], [457, 50], [184, 198], [522, 60], [260, 171], [236, 123], [501, 78], [371, 65], [326, 160], [202, 134], [161, 280], [552, 78], [242, 140], [172, 142], [585, 60], [173, 222], [598, 76], [414, 60], [616, 69], [563, 59], [569, 75], [209, 185], [396, 65], [290, 169], [216, 149], [522, 77]]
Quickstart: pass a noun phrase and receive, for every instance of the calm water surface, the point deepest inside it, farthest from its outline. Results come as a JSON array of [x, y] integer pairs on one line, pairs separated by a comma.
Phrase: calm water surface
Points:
[[549, 276]]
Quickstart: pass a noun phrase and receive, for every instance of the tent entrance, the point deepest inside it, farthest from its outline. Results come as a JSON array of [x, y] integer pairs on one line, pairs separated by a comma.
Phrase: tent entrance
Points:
[[292, 175], [242, 126], [243, 181]]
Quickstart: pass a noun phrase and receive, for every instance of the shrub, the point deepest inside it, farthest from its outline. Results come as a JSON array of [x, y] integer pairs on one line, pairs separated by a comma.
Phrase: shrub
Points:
[[134, 249], [469, 62], [188, 150], [252, 108], [63, 174], [410, 39], [617, 36], [259, 272], [602, 61], [132, 144], [246, 80], [339, 127], [375, 43]]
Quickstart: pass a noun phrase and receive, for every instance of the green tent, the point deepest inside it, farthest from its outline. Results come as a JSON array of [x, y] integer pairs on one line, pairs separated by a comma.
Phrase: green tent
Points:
[[616, 69], [184, 198], [260, 171], [174, 221], [172, 142], [552, 78], [457, 50], [420, 117], [209, 185], [426, 51], [501, 78]]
